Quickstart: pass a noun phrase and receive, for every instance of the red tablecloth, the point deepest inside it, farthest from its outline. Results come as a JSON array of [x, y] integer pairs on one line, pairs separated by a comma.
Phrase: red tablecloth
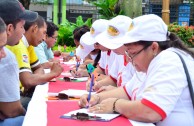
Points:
[[56, 109]]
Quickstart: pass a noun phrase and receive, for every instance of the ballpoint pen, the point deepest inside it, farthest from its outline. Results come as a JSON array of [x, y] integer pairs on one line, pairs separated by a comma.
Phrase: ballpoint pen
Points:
[[77, 65], [91, 85]]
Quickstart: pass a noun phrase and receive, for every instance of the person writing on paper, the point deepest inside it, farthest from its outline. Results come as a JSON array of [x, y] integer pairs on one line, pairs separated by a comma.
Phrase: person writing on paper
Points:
[[31, 72], [77, 33], [164, 97], [122, 24], [43, 50], [88, 43], [124, 70], [87, 46]]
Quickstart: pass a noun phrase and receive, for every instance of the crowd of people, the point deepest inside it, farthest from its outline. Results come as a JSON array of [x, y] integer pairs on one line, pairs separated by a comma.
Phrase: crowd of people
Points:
[[140, 66]]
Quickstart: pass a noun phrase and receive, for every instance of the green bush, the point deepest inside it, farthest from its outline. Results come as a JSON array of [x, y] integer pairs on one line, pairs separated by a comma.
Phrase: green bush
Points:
[[185, 33], [108, 8], [65, 33]]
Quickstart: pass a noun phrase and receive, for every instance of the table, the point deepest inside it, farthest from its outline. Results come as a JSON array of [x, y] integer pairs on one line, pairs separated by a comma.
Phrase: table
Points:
[[42, 112]]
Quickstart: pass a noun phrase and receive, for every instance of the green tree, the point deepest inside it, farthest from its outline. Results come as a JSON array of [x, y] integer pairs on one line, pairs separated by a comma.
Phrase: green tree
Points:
[[26, 3], [131, 8]]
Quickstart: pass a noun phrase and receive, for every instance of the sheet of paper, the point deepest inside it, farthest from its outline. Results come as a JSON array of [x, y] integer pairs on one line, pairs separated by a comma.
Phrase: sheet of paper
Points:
[[104, 117], [135, 123], [79, 78], [66, 74], [75, 93]]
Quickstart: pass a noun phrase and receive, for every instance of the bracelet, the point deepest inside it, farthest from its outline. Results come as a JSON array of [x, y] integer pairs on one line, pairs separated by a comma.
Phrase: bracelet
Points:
[[114, 104]]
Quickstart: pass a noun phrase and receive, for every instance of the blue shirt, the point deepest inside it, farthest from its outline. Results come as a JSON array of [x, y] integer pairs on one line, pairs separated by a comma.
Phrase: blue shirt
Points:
[[43, 52]]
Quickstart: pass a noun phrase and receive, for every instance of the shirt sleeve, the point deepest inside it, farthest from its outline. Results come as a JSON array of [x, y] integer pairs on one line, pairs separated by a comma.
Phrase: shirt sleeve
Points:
[[22, 56], [41, 53], [33, 57], [50, 53], [164, 84]]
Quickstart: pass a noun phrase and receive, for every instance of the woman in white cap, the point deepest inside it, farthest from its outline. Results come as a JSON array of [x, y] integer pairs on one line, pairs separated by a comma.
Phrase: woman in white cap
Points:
[[124, 71], [164, 98], [88, 44]]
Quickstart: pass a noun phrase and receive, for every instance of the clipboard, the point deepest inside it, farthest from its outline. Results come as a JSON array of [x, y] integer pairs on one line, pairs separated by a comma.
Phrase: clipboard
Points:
[[91, 116]]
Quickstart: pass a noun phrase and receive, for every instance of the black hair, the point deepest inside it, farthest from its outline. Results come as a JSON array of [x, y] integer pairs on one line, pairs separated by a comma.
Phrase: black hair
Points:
[[2, 25], [79, 31], [14, 23], [39, 22], [173, 41], [97, 59], [51, 28]]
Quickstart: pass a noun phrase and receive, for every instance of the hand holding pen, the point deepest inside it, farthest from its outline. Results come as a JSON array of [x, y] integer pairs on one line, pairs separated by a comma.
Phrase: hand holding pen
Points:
[[91, 85], [77, 62]]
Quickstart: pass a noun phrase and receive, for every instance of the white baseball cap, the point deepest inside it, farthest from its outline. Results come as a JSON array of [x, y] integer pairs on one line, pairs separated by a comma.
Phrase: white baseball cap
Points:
[[87, 40], [146, 28], [117, 27], [83, 49], [98, 27]]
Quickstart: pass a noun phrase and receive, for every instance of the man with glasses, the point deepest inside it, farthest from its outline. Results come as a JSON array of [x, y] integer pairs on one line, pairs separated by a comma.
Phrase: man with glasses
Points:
[[43, 50]]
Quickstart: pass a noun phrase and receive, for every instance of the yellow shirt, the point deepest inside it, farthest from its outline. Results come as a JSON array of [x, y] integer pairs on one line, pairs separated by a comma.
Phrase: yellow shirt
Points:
[[25, 55]]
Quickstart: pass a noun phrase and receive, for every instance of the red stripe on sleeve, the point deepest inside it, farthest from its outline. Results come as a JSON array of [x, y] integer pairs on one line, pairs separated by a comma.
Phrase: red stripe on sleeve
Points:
[[115, 80], [154, 107]]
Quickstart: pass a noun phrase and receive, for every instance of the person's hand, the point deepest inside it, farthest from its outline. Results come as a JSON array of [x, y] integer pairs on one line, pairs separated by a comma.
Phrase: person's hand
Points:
[[57, 69], [83, 102], [88, 84], [40, 70], [101, 76], [67, 58], [105, 88], [79, 73], [106, 106]]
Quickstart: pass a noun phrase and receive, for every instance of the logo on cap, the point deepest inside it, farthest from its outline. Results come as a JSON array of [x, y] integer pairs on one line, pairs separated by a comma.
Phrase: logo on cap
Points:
[[92, 30], [112, 31], [131, 27], [81, 46]]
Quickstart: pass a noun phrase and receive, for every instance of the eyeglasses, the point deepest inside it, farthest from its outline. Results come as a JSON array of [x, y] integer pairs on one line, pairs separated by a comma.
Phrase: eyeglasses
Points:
[[132, 57]]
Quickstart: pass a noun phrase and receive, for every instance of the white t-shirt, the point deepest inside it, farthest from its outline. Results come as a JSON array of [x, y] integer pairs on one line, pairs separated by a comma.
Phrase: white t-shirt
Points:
[[106, 61], [122, 70], [9, 78], [165, 88]]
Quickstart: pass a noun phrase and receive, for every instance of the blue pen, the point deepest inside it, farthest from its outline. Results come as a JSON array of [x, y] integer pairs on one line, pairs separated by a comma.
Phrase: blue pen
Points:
[[91, 85], [77, 65]]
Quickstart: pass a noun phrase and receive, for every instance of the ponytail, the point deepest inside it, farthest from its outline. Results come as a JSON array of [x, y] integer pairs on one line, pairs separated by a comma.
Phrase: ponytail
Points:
[[176, 42], [97, 59]]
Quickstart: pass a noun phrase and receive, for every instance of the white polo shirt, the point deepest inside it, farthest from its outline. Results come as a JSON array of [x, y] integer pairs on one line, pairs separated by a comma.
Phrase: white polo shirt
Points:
[[165, 88], [106, 61], [122, 70]]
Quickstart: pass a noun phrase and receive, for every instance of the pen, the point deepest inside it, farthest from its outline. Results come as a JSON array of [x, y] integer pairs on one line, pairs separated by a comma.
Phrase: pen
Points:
[[91, 85], [77, 65]]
